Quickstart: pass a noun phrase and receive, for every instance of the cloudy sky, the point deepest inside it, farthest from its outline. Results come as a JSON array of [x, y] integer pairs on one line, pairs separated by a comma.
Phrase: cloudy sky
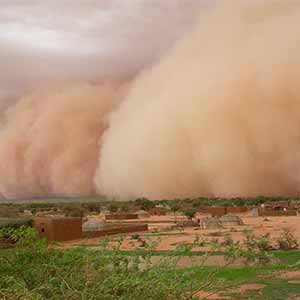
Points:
[[86, 39]]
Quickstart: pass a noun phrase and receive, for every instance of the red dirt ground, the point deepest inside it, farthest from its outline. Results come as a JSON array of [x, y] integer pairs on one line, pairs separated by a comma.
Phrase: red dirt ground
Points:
[[166, 238]]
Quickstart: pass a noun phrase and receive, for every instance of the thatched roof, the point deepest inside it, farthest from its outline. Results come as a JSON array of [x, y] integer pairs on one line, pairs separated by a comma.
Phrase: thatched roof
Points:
[[231, 220], [93, 225], [142, 213], [211, 223]]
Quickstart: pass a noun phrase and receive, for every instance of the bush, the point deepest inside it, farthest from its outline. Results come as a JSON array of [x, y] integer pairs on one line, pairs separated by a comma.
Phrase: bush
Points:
[[257, 249], [15, 223], [228, 241], [74, 211], [35, 272], [190, 213], [287, 240], [254, 243], [144, 203], [8, 212]]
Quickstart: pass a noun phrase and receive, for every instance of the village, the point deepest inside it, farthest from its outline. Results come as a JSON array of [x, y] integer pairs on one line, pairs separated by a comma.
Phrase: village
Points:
[[168, 226], [176, 236]]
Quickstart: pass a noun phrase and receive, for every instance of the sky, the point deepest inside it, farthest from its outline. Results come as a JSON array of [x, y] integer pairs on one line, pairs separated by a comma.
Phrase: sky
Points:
[[86, 39]]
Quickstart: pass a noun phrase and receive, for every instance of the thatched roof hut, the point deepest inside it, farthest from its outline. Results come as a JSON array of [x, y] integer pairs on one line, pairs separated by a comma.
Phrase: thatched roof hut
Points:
[[210, 223], [142, 214], [93, 225], [231, 220], [188, 223]]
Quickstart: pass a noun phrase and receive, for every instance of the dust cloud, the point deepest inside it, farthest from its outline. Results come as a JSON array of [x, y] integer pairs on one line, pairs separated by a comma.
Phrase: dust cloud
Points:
[[218, 116], [50, 140]]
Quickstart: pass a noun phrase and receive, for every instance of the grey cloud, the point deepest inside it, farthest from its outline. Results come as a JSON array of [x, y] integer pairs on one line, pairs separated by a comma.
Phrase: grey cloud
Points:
[[62, 40]]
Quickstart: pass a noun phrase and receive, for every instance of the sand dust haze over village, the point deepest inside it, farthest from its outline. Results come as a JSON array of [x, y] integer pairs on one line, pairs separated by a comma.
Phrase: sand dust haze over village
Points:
[[148, 98]]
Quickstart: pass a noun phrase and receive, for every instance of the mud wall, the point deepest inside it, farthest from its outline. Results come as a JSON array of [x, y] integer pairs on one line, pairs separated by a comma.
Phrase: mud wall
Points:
[[122, 217], [117, 230], [276, 213]]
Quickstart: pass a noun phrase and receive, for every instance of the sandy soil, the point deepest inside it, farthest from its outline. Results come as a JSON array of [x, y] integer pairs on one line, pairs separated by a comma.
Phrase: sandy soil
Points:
[[225, 295]]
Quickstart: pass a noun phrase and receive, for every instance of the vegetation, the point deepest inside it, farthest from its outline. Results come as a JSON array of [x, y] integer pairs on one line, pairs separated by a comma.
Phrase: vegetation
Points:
[[190, 213], [32, 270], [87, 205], [287, 240], [15, 223]]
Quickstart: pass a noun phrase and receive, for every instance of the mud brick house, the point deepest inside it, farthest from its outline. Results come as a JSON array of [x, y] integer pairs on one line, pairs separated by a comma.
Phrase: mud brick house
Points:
[[188, 223], [231, 220], [59, 228], [210, 223]]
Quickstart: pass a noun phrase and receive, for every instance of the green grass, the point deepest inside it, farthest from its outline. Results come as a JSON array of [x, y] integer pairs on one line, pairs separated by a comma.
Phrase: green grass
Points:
[[288, 257], [14, 222], [275, 289]]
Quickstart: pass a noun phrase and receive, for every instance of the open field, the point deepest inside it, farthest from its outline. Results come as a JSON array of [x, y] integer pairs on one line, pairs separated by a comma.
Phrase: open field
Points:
[[163, 232]]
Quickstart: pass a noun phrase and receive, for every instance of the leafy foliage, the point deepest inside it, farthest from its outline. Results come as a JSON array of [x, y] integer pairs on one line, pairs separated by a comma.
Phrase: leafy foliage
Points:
[[190, 213], [33, 271]]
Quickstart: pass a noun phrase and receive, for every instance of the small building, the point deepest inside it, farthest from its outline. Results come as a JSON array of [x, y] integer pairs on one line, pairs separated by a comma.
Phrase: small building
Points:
[[143, 214], [27, 212], [135, 209], [187, 223], [158, 211], [104, 211], [210, 223], [59, 229], [231, 220]]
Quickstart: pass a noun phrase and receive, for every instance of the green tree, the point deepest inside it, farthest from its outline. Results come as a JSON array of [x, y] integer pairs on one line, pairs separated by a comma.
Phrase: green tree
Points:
[[175, 208], [144, 203], [190, 213]]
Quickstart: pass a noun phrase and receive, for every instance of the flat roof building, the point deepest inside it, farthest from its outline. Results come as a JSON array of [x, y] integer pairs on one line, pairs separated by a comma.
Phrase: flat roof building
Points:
[[59, 229]]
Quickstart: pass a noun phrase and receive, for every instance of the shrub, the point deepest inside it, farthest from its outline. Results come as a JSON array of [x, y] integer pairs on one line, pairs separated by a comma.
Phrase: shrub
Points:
[[287, 240], [200, 241], [228, 241], [35, 272], [135, 236], [144, 203], [190, 213], [257, 249], [8, 212], [75, 211]]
